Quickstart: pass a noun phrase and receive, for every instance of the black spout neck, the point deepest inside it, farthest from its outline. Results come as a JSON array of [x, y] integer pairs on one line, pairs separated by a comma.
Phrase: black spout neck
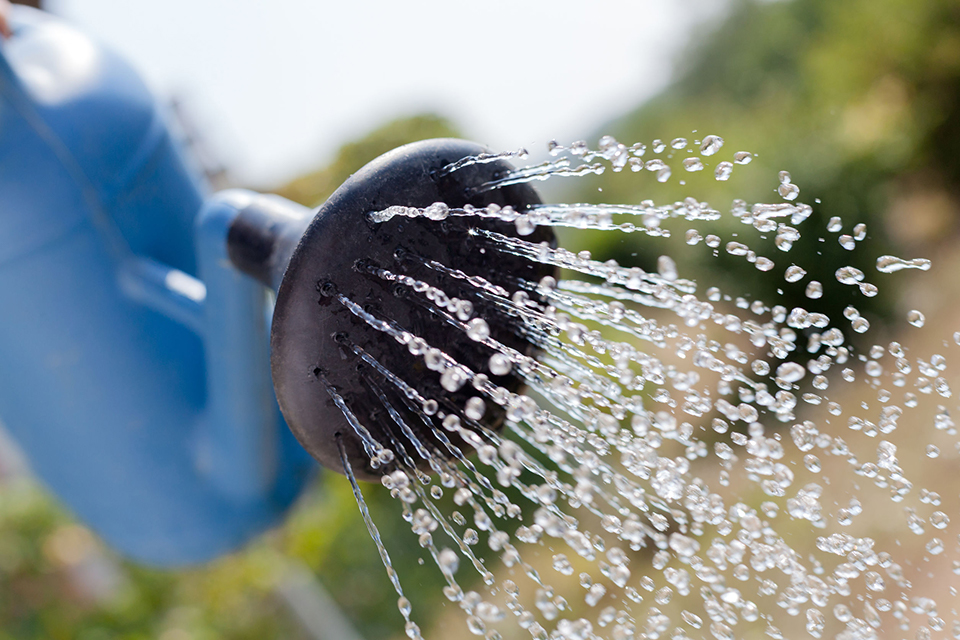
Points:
[[264, 235]]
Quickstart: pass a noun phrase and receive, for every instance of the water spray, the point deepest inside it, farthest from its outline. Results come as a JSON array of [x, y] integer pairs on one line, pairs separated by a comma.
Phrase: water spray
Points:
[[644, 459]]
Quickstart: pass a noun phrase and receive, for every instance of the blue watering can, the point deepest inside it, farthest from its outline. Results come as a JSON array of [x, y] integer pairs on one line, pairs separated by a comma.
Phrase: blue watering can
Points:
[[143, 361], [134, 359]]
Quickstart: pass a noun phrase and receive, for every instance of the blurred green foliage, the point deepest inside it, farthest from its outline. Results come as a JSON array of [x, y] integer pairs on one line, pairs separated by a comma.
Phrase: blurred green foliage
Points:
[[313, 188], [860, 100]]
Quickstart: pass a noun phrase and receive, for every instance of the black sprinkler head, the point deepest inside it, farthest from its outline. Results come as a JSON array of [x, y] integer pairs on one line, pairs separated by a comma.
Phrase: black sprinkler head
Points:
[[325, 357]]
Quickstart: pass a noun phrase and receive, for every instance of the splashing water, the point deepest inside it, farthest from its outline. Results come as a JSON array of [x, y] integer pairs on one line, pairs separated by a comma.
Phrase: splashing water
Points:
[[676, 469]]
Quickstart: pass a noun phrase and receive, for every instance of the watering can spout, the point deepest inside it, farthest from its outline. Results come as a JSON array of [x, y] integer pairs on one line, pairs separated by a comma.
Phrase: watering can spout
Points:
[[263, 234]]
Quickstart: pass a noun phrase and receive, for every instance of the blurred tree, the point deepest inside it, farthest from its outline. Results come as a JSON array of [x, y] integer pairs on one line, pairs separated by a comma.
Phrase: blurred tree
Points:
[[313, 188], [860, 100]]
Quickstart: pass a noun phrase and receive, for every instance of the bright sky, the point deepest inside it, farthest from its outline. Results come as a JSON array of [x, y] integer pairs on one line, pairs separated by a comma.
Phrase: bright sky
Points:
[[277, 86]]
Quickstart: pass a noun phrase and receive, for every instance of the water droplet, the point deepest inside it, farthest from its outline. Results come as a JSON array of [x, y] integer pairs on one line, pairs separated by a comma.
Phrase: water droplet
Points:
[[663, 596], [814, 290], [737, 249], [475, 625], [547, 284], [847, 242], [760, 367], [935, 547], [691, 619], [667, 268], [849, 275], [860, 325], [710, 145], [478, 330], [562, 565], [464, 310], [692, 164], [579, 148], [939, 520], [790, 372], [788, 191], [499, 364], [683, 546], [678, 143], [475, 408], [873, 581], [742, 157], [891, 264], [437, 211], [453, 379], [525, 225], [489, 612], [794, 273], [723, 171], [594, 594]]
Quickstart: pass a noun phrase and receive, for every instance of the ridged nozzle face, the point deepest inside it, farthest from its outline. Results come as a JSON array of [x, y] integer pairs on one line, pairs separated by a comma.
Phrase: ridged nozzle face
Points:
[[358, 309]]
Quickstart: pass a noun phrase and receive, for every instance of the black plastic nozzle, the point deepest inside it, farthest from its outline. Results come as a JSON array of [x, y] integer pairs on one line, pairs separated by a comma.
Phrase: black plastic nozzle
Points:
[[325, 357]]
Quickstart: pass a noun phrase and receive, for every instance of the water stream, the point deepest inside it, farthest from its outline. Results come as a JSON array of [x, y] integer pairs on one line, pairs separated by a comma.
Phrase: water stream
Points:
[[683, 463]]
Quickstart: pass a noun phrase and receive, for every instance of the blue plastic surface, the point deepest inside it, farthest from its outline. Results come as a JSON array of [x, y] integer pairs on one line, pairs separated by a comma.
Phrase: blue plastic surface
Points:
[[134, 365]]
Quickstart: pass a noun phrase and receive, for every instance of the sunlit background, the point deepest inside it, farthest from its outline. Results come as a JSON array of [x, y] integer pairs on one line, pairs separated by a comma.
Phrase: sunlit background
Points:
[[859, 99], [277, 87]]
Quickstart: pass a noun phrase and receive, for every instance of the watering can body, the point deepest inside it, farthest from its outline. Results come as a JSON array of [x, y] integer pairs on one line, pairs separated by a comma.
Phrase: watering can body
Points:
[[134, 364]]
